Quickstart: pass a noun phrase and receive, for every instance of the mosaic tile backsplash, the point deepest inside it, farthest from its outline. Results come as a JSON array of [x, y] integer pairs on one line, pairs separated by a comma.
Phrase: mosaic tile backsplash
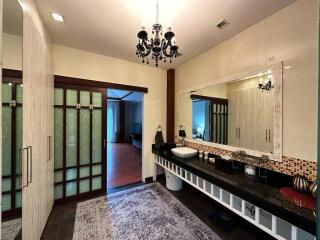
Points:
[[290, 166]]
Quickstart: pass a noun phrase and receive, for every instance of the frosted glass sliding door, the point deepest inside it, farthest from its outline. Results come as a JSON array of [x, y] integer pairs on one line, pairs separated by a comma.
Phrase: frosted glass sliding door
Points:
[[11, 143], [79, 142]]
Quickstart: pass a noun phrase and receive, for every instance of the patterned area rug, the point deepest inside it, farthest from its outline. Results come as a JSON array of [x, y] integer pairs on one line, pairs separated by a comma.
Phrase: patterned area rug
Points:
[[10, 229], [145, 212]]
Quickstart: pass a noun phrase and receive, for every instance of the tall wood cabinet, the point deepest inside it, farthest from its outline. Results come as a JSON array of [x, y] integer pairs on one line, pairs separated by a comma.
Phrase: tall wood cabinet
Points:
[[251, 114], [37, 155]]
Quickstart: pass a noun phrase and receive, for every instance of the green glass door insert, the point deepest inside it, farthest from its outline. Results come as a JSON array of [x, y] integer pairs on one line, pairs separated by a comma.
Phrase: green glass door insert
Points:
[[78, 141], [11, 143]]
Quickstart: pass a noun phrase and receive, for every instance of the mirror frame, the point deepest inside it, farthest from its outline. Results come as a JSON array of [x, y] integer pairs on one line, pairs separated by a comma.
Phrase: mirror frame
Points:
[[278, 112]]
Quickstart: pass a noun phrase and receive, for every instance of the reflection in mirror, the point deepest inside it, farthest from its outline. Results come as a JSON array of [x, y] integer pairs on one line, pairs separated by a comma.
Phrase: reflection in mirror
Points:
[[11, 200], [240, 113]]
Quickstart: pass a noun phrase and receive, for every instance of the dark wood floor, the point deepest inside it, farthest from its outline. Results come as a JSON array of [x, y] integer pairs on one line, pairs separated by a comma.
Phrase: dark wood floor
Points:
[[61, 221], [124, 164]]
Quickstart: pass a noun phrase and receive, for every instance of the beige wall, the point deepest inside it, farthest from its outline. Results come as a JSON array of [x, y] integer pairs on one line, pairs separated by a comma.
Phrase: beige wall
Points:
[[82, 64], [12, 51], [37, 197], [290, 35]]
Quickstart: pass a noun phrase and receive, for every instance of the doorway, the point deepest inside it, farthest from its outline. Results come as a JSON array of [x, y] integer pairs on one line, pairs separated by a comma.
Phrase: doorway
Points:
[[124, 137]]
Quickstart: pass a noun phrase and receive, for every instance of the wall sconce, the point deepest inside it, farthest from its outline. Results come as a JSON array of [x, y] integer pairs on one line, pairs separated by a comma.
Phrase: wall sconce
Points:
[[266, 84]]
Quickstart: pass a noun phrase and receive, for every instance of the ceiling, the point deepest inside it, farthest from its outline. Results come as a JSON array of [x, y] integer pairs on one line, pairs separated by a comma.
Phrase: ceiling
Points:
[[110, 27], [124, 95]]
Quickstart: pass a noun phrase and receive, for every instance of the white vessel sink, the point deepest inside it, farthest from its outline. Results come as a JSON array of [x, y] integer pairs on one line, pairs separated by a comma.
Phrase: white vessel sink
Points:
[[184, 152]]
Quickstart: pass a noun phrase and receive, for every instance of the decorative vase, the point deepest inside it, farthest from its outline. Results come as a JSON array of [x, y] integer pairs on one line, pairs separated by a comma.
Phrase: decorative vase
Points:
[[313, 188], [300, 183]]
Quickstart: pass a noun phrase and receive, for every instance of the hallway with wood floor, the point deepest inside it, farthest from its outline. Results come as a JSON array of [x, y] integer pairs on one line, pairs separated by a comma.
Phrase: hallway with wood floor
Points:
[[124, 164]]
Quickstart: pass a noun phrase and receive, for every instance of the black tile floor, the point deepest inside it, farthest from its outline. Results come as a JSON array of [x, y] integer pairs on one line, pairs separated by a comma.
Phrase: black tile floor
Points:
[[61, 221]]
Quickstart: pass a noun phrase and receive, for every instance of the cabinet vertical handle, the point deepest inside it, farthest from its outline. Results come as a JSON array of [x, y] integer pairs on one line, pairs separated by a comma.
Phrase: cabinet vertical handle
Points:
[[29, 161], [239, 134], [51, 142], [49, 148], [21, 151], [266, 135], [269, 135]]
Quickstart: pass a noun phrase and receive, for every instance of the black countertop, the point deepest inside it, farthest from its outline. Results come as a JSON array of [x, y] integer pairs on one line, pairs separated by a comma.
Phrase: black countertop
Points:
[[260, 192]]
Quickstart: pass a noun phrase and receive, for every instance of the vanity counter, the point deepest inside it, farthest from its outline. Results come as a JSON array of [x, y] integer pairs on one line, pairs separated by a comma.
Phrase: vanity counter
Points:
[[264, 195]]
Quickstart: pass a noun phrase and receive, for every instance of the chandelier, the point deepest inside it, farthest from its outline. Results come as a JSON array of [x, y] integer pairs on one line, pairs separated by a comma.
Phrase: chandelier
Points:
[[161, 49]]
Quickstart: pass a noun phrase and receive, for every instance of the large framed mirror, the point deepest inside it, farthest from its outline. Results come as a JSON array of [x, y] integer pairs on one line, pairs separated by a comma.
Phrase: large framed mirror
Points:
[[240, 112]]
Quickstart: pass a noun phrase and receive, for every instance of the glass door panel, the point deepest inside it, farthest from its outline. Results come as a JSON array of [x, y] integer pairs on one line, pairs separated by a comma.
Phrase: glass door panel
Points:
[[6, 141], [58, 136], [97, 99], [84, 136], [78, 165], [85, 98], [96, 135], [6, 147], [6, 92], [71, 137], [19, 93], [72, 97], [58, 96], [11, 143]]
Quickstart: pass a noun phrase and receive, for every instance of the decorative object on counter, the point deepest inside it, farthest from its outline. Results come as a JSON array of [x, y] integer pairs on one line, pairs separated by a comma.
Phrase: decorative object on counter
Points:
[[300, 183], [182, 134], [226, 157], [200, 154], [206, 155], [212, 160], [313, 188], [159, 142], [298, 198], [250, 170], [224, 165]]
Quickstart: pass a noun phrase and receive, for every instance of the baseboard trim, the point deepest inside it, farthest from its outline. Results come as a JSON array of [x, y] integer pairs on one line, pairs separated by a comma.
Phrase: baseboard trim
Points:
[[148, 179]]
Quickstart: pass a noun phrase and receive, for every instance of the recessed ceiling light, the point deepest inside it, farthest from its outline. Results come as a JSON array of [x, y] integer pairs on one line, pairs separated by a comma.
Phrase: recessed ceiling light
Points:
[[287, 67], [57, 17]]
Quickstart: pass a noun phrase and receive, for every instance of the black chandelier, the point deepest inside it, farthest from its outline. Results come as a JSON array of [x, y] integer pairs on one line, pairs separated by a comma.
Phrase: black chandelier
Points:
[[160, 49]]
